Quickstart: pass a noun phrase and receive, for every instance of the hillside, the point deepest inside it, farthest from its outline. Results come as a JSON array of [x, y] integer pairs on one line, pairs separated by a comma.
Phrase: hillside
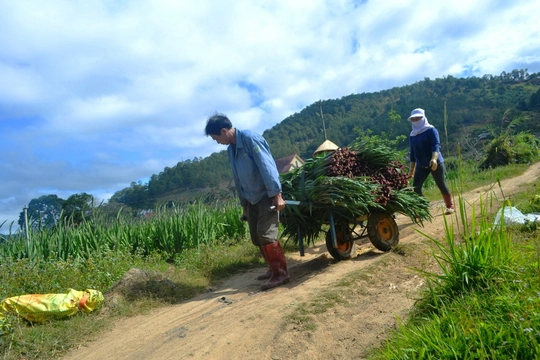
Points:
[[473, 108]]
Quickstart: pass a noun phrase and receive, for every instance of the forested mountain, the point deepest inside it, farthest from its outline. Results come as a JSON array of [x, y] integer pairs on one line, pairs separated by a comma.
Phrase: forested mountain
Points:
[[473, 107]]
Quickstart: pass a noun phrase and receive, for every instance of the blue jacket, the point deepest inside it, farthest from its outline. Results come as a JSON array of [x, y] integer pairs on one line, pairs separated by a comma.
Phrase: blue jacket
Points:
[[422, 145], [254, 169]]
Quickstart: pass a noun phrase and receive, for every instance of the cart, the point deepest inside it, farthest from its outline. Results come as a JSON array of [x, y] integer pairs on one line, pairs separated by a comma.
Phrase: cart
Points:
[[378, 226]]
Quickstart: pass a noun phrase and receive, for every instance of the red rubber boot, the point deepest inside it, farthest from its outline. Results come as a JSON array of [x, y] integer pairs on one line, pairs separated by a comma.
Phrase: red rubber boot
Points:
[[449, 204], [276, 261], [268, 273]]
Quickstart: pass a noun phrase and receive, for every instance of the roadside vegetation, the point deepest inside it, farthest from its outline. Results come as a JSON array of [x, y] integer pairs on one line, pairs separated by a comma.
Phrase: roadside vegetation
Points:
[[189, 246], [491, 274], [483, 304]]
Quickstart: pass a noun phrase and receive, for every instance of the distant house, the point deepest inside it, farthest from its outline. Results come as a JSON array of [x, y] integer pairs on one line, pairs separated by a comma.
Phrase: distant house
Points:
[[146, 213], [288, 163]]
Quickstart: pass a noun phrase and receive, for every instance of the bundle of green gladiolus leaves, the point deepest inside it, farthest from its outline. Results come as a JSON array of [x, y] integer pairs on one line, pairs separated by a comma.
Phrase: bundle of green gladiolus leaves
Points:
[[350, 182]]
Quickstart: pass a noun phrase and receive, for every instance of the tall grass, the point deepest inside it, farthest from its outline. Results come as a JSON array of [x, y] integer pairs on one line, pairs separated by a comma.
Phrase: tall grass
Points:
[[476, 258], [169, 231], [483, 304]]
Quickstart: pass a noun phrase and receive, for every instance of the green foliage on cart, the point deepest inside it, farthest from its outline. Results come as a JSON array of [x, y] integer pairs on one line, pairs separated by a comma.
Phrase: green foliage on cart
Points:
[[351, 182]]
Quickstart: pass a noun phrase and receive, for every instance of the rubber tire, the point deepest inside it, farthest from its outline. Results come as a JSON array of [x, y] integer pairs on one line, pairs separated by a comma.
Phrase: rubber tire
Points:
[[344, 250], [382, 230]]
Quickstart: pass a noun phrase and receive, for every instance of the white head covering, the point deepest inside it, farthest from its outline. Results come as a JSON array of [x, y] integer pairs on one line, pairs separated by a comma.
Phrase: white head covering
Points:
[[421, 125]]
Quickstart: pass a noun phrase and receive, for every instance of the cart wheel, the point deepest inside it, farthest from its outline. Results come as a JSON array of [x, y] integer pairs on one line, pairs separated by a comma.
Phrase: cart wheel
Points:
[[382, 230], [344, 249]]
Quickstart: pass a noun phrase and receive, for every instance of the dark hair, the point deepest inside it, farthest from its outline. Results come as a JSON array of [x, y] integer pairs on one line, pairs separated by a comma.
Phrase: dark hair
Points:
[[217, 122]]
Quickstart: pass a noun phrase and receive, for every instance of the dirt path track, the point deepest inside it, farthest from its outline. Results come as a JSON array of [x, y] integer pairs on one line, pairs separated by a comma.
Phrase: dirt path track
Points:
[[237, 321]]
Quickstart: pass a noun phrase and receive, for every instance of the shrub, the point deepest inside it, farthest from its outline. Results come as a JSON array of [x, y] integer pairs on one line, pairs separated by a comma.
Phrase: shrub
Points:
[[511, 149]]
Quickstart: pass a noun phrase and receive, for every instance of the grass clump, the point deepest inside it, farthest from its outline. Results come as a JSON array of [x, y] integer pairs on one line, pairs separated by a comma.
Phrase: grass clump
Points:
[[477, 260], [483, 304]]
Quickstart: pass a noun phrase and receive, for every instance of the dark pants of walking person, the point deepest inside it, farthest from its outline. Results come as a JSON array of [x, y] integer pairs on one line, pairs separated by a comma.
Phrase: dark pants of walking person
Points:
[[422, 173]]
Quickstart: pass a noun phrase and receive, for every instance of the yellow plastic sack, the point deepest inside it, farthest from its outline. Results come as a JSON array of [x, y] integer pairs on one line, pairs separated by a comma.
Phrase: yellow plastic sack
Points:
[[41, 307]]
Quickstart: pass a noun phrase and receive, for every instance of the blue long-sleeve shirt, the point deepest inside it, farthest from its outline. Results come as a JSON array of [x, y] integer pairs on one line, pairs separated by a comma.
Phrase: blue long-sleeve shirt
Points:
[[254, 169], [423, 145]]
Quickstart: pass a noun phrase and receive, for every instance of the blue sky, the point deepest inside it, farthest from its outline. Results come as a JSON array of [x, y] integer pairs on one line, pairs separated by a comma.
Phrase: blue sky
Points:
[[97, 94]]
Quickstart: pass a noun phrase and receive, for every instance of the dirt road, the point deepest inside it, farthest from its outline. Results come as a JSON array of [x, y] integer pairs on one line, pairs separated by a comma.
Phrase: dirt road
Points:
[[237, 321]]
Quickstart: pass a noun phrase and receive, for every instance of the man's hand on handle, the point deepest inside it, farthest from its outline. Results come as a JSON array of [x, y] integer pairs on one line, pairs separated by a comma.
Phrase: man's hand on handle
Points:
[[278, 202]]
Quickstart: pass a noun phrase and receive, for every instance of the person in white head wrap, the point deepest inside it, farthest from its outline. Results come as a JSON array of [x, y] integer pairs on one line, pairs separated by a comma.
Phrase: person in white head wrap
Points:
[[426, 157]]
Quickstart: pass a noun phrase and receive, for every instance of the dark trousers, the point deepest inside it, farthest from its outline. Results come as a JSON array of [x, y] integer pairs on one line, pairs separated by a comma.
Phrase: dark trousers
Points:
[[422, 173]]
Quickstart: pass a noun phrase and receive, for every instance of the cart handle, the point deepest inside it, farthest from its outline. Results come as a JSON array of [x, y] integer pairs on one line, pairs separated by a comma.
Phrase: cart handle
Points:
[[288, 202]]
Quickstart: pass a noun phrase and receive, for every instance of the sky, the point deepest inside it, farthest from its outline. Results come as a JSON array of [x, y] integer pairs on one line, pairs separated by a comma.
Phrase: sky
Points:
[[97, 94]]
